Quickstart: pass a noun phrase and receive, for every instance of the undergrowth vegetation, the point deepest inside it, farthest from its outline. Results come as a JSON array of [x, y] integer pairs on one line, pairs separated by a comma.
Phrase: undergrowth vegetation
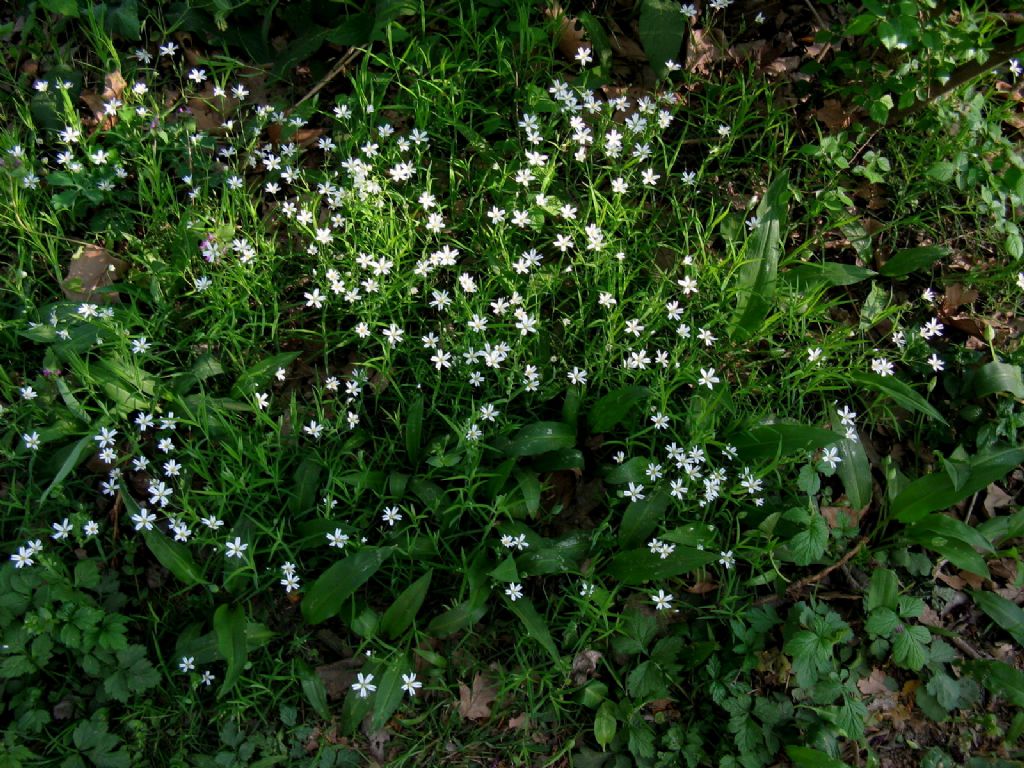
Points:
[[468, 408]]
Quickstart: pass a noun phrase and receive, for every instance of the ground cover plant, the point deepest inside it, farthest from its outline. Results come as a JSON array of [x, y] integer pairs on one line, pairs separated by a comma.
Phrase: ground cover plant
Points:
[[490, 384]]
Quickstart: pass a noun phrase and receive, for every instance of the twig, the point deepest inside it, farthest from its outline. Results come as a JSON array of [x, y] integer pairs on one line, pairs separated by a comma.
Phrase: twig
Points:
[[967, 648], [796, 586], [343, 62]]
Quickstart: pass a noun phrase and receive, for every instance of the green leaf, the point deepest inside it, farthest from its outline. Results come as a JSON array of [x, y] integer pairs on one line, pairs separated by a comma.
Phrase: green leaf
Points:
[[229, 626], [529, 486], [461, 616], [805, 757], [884, 590], [173, 555], [63, 7], [809, 274], [1001, 679], [882, 622], [661, 28], [72, 459], [506, 571], [912, 259], [895, 389], [811, 654], [605, 724], [257, 376], [613, 407], [808, 545], [854, 469], [400, 615], [314, 689], [755, 284], [909, 647], [953, 540], [1003, 612], [942, 171], [641, 518], [632, 471], [936, 491], [998, 377], [945, 689], [769, 441], [340, 581], [536, 625], [541, 437], [639, 566], [388, 696], [414, 429]]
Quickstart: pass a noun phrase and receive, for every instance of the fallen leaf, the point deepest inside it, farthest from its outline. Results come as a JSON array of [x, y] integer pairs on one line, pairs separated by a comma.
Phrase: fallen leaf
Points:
[[702, 587], [584, 664], [92, 268], [707, 48], [114, 85], [951, 581], [873, 683], [996, 498], [834, 115], [519, 721], [475, 702], [338, 676]]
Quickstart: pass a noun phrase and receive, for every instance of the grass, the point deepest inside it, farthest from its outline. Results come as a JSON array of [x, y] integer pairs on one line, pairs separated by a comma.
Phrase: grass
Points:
[[482, 446]]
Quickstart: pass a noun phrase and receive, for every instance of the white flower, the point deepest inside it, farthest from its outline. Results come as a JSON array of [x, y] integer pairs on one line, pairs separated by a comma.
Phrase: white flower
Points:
[[207, 678], [236, 548], [22, 558], [391, 515], [410, 684], [831, 457], [577, 376], [583, 56], [726, 559], [936, 362], [634, 492], [143, 519], [662, 600], [882, 366], [290, 582], [313, 429], [187, 663], [61, 530], [514, 591], [338, 539], [364, 685], [31, 441], [708, 378]]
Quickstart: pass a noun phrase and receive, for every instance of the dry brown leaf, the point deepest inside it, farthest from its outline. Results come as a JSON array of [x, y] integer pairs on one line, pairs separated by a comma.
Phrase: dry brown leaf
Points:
[[955, 582], [519, 721], [702, 587], [584, 664], [114, 85], [974, 581], [834, 115], [996, 498], [338, 676], [707, 48], [92, 268], [873, 683], [475, 702]]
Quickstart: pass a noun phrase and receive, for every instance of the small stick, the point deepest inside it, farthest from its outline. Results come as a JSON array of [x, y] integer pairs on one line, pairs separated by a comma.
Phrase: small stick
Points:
[[796, 586], [343, 62]]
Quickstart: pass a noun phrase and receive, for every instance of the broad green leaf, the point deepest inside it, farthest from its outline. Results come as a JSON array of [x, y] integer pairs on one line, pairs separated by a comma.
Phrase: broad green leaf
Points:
[[335, 585], [949, 527], [455, 619], [529, 486], [506, 571], [942, 171], [314, 690], [769, 441], [399, 616], [755, 283], [1003, 612], [910, 647], [912, 259], [882, 622], [811, 654], [558, 461], [605, 724], [1001, 679], [639, 566], [72, 457], [896, 390], [229, 626], [999, 377], [936, 491], [536, 625], [173, 555], [959, 553], [808, 545], [414, 429], [805, 757], [884, 590], [541, 437], [661, 28], [854, 469], [641, 518], [63, 7], [613, 407], [562, 555], [830, 273], [307, 483], [631, 471], [388, 696], [945, 689]]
